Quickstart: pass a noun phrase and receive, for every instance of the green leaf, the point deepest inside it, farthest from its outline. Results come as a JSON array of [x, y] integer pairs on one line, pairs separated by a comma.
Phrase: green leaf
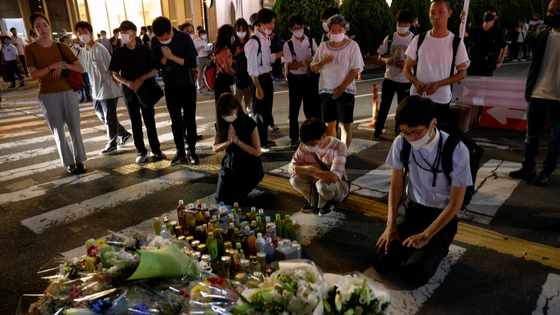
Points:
[[338, 302], [350, 312], [266, 296], [243, 299], [288, 287], [368, 293], [327, 306], [242, 308]]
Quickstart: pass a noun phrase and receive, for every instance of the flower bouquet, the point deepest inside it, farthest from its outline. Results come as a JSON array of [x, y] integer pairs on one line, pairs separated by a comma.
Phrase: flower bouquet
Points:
[[211, 296], [297, 288], [351, 294]]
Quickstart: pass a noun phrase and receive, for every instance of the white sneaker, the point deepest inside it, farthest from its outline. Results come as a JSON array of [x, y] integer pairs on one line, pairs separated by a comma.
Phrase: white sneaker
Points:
[[141, 158]]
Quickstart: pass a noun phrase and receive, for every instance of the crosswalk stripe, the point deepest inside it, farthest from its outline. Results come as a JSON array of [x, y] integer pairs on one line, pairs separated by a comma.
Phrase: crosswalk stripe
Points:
[[41, 189], [375, 184], [38, 224], [549, 300]]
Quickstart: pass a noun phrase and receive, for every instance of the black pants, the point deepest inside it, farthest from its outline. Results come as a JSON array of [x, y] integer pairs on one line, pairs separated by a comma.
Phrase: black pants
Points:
[[222, 85], [133, 106], [13, 70], [416, 266], [262, 109], [442, 111], [388, 89], [106, 110], [24, 64], [181, 104], [300, 90]]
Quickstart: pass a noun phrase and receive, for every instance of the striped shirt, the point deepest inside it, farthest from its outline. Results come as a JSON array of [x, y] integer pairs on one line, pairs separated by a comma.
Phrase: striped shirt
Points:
[[333, 156]]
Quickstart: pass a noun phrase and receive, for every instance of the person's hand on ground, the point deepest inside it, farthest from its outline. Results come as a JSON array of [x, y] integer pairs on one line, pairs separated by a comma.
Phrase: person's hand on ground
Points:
[[390, 234]]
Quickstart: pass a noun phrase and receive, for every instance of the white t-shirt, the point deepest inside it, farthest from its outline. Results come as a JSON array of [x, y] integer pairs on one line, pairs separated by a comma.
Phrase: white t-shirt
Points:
[[548, 83], [522, 33], [436, 56], [302, 51], [10, 52], [201, 43], [96, 63], [397, 51], [20, 44], [346, 58], [80, 54]]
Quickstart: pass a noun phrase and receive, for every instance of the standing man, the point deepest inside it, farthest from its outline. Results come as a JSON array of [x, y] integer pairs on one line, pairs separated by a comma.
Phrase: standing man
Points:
[[79, 52], [11, 61], [132, 67], [543, 95], [392, 53], [105, 41], [298, 54], [174, 52], [436, 54], [96, 61], [326, 14], [535, 26], [522, 30], [259, 59], [19, 43]]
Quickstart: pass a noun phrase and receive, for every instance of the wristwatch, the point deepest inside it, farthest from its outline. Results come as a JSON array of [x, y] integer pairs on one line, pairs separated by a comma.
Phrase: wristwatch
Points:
[[238, 142]]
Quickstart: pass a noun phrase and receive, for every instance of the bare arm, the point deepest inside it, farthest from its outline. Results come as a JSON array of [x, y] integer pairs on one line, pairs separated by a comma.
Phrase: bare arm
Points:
[[431, 88], [228, 68], [317, 66], [297, 65], [312, 170], [217, 147], [254, 148], [502, 56], [395, 197], [36, 74], [76, 66]]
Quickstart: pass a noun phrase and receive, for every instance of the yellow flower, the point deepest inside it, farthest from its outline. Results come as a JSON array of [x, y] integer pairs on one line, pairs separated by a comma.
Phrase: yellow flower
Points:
[[90, 264], [202, 287], [101, 242]]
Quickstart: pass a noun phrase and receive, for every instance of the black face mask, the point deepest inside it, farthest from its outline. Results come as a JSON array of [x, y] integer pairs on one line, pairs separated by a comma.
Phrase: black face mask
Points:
[[488, 17], [553, 21]]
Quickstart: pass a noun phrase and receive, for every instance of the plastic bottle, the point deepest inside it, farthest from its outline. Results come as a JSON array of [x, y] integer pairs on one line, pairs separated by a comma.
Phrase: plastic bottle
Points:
[[259, 243], [253, 214], [271, 231], [267, 220], [279, 225], [251, 244], [230, 231], [261, 213], [214, 210], [210, 228], [181, 213], [199, 218], [212, 246], [215, 222], [199, 204], [254, 226], [235, 216], [165, 233], [203, 236], [238, 210], [191, 223], [235, 237], [246, 235], [296, 232], [288, 230], [207, 216], [220, 239], [241, 251], [269, 250], [260, 226]]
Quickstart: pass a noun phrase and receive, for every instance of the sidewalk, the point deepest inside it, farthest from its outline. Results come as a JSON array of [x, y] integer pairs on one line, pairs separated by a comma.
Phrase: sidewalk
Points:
[[20, 96]]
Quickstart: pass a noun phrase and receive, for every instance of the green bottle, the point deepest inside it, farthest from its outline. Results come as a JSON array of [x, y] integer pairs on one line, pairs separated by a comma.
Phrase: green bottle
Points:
[[220, 239], [279, 226], [288, 232], [212, 246], [260, 226], [296, 232]]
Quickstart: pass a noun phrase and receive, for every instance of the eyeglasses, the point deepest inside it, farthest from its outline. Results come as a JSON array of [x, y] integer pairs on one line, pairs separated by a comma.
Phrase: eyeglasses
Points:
[[415, 134]]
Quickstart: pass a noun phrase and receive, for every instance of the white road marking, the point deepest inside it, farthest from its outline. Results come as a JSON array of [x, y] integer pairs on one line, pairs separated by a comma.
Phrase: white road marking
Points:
[[42, 189], [404, 302], [70, 213], [549, 300], [375, 184], [313, 226]]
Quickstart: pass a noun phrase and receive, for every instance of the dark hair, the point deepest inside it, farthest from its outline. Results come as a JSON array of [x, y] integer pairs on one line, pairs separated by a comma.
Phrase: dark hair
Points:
[[404, 16], [161, 25], [116, 30], [224, 38], [446, 3], [265, 16], [492, 8], [415, 111], [236, 25], [198, 28], [143, 28], [13, 28], [85, 25], [311, 129], [523, 19], [225, 104], [36, 15], [184, 26], [253, 18], [536, 14], [149, 27], [295, 19], [103, 31], [201, 31], [328, 12]]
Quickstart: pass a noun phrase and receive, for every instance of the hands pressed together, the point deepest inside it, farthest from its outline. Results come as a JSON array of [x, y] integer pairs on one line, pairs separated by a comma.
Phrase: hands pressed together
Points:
[[232, 135]]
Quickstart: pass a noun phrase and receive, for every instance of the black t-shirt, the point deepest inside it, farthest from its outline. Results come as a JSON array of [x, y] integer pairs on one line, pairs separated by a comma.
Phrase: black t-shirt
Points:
[[132, 64], [485, 49]]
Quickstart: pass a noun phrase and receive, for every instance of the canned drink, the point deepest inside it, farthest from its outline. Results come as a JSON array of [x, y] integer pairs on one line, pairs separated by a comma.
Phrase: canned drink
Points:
[[201, 248], [228, 244], [189, 238], [181, 238], [196, 256], [195, 243], [178, 230], [206, 258]]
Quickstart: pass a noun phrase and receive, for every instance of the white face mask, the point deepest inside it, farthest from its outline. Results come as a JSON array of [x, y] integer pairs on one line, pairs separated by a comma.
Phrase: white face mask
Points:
[[85, 38], [325, 27], [77, 46], [165, 42], [402, 30], [103, 36], [298, 33], [192, 36], [420, 143], [230, 118], [337, 38], [241, 34], [125, 38], [267, 31], [204, 37]]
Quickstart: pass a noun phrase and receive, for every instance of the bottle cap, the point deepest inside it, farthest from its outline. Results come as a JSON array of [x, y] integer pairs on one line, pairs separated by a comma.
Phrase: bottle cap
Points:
[[287, 216], [231, 225], [236, 231], [222, 204], [267, 219], [259, 219], [181, 202], [268, 240], [259, 235], [247, 229], [238, 245], [278, 216], [253, 223], [236, 205], [244, 223], [261, 254], [226, 259], [204, 226], [210, 234], [214, 217], [218, 230], [203, 206], [253, 209], [252, 233], [199, 200], [191, 205], [230, 216], [295, 222]]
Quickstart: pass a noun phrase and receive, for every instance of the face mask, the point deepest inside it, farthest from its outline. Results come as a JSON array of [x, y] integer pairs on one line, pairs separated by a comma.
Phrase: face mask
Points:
[[553, 21], [7, 42], [337, 38], [267, 31], [192, 36], [165, 42], [298, 33], [241, 34], [402, 30], [204, 37], [488, 17], [325, 26], [231, 118], [85, 38], [103, 36], [77, 46], [125, 38], [420, 143]]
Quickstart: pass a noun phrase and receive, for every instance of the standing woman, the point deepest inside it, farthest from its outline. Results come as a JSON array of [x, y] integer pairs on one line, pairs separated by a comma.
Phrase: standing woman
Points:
[[339, 61], [237, 134], [223, 61], [242, 78], [57, 99]]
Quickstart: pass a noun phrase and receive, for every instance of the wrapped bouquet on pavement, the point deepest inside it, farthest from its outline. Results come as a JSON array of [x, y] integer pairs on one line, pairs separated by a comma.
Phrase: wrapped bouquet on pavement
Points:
[[353, 294]]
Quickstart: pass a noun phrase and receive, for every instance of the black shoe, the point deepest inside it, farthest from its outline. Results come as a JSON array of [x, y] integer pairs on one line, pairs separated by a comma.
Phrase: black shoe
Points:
[[294, 145], [327, 208], [141, 158], [523, 173], [376, 137], [542, 179], [177, 158], [271, 143], [71, 169], [81, 101], [158, 156], [109, 150], [193, 158], [11, 87], [199, 137], [80, 168], [124, 139], [307, 207]]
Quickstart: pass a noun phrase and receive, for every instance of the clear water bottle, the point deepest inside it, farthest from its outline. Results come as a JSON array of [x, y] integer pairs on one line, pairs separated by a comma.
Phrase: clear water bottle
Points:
[[269, 250]]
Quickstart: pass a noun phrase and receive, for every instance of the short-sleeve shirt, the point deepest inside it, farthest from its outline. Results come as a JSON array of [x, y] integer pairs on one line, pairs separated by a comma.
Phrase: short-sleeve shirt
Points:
[[302, 50], [132, 64], [40, 57], [486, 47], [80, 54], [523, 33], [201, 43], [436, 56], [333, 74], [20, 44], [397, 51], [259, 63], [419, 188], [548, 82], [10, 52], [96, 62], [220, 58]]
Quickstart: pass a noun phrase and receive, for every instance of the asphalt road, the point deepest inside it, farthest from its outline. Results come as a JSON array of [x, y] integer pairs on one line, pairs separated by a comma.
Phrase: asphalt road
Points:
[[46, 212]]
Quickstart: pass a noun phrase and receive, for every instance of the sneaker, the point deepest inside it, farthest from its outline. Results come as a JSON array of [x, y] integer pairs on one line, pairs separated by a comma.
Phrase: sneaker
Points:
[[193, 158], [80, 168], [294, 145], [515, 60], [71, 169], [307, 207], [142, 158], [327, 208], [265, 149], [109, 150], [376, 137], [523, 59], [11, 87], [124, 139], [542, 179], [249, 110], [523, 173], [273, 128], [199, 137], [159, 156], [177, 158], [81, 101]]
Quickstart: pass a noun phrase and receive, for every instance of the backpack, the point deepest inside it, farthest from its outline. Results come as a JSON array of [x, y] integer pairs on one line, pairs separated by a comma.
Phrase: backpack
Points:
[[456, 135], [456, 43], [389, 41], [210, 73], [291, 46], [259, 51], [242, 78]]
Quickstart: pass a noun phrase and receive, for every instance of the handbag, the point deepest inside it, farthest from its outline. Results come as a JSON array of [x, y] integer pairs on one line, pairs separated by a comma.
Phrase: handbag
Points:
[[325, 168], [75, 79], [149, 93]]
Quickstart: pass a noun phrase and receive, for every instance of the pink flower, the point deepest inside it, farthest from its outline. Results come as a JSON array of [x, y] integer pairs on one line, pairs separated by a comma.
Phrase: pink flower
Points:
[[93, 251]]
